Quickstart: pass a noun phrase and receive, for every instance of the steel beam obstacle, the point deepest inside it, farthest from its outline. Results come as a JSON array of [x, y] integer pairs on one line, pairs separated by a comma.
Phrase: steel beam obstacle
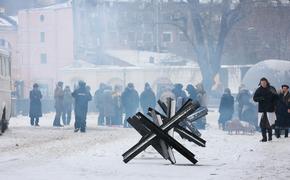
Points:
[[158, 131]]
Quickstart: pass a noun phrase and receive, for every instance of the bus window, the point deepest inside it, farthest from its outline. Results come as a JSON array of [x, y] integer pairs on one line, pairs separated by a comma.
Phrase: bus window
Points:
[[4, 67], [7, 66], [1, 66]]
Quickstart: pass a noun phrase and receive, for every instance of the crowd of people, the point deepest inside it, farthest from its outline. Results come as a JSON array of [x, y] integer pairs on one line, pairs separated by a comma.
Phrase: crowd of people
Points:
[[113, 104], [274, 109], [64, 100], [272, 113]]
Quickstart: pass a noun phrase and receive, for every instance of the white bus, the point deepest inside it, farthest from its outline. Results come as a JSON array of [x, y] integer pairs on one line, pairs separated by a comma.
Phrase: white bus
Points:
[[5, 89]]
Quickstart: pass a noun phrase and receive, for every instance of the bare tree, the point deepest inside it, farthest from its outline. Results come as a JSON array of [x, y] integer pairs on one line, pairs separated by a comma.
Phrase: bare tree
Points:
[[206, 28]]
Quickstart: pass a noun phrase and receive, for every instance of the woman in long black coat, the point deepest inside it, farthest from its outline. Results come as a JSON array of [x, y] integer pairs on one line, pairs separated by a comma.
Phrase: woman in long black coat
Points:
[[283, 112], [35, 111], [226, 108]]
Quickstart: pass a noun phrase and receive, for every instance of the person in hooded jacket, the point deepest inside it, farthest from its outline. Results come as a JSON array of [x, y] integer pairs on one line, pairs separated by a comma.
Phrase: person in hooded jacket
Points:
[[82, 97]]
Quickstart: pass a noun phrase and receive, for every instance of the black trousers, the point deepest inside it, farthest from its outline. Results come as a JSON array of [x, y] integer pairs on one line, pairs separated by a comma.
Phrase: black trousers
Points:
[[66, 117], [101, 118], [278, 132], [264, 133], [34, 122], [56, 121], [80, 122], [265, 127]]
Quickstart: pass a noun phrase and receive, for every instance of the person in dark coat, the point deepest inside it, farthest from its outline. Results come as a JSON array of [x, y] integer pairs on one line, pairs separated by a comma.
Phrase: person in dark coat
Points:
[[178, 91], [283, 112], [180, 95], [226, 108], [108, 105], [58, 98], [82, 97], [243, 98], [98, 100], [117, 105], [130, 102], [35, 111], [67, 106], [202, 99], [266, 96], [192, 92], [147, 98], [250, 114]]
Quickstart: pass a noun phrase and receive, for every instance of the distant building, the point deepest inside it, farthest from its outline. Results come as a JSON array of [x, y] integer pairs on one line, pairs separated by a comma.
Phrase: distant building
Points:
[[138, 25], [45, 44]]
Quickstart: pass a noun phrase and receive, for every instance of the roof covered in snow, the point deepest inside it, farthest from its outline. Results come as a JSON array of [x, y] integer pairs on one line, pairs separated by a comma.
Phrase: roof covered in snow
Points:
[[80, 64], [53, 7], [7, 22], [148, 58]]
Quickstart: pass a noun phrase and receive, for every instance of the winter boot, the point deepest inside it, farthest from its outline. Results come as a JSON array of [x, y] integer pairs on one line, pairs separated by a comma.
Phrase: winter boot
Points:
[[277, 133], [264, 135], [286, 133], [31, 121]]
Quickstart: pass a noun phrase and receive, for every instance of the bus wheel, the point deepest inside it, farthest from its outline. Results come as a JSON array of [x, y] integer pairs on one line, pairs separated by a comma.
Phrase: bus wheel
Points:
[[3, 125]]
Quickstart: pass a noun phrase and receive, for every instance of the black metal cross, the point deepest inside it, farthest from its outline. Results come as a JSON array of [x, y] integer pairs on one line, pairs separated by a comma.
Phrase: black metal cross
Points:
[[159, 132]]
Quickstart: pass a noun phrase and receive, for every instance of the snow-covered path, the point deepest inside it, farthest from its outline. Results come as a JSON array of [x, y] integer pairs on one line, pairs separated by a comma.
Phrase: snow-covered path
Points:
[[45, 153]]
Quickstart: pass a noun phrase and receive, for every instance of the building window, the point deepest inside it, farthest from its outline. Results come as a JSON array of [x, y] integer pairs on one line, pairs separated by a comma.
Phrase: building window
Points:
[[166, 37], [42, 36], [9, 67], [5, 73], [147, 37], [41, 18], [43, 58], [2, 42]]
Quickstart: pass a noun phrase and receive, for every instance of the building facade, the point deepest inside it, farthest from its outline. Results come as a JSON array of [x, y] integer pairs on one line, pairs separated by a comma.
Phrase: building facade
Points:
[[45, 44]]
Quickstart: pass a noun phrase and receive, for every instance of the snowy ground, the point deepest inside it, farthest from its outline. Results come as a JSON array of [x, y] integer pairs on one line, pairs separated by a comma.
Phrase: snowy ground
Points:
[[45, 153]]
